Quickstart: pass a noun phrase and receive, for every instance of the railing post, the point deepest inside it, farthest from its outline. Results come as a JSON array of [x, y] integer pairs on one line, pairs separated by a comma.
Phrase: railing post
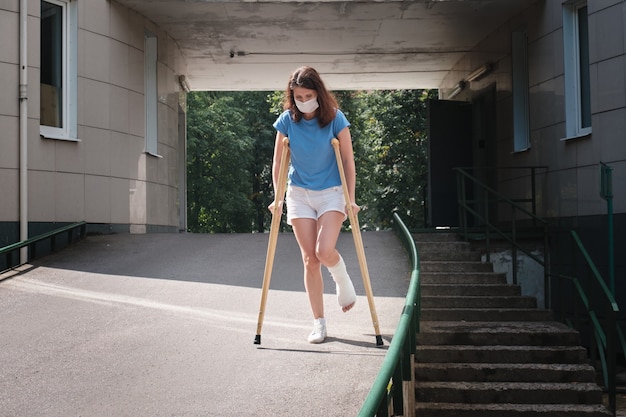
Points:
[[611, 343], [487, 224], [547, 271], [513, 247]]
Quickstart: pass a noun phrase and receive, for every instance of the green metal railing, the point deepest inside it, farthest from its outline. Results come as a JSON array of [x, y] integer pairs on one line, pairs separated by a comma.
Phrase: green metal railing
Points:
[[393, 390], [510, 231], [606, 331], [10, 250]]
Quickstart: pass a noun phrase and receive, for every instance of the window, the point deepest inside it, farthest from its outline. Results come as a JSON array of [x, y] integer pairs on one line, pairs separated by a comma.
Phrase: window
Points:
[[58, 70], [521, 124], [150, 75], [577, 82]]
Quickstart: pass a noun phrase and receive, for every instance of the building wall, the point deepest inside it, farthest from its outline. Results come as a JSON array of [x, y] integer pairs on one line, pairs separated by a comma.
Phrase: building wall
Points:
[[105, 178], [572, 184], [569, 191]]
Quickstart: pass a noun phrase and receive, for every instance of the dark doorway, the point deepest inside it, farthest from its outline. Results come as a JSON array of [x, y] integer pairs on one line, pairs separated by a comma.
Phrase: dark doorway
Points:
[[450, 145]]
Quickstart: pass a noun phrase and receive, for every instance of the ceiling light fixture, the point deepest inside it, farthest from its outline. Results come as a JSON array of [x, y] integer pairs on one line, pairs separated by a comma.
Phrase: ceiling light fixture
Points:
[[184, 84], [478, 73], [456, 90]]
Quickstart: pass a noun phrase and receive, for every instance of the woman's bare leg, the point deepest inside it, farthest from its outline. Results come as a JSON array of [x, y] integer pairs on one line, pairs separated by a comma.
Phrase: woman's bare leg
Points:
[[306, 231]]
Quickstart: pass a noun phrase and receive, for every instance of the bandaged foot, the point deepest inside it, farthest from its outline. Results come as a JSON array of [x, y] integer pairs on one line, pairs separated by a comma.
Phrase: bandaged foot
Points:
[[346, 296]]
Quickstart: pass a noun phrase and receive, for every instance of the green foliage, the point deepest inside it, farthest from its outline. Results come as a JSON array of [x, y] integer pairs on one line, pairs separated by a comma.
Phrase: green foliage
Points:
[[227, 141], [230, 147]]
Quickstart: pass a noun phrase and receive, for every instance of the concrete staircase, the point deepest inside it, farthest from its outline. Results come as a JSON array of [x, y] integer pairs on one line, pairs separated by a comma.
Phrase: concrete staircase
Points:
[[485, 350]]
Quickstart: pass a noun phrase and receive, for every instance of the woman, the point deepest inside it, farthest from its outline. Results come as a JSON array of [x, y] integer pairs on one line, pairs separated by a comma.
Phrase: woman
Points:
[[316, 207]]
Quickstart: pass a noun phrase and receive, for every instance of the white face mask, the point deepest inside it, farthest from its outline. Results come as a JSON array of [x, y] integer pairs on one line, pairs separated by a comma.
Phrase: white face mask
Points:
[[307, 106]]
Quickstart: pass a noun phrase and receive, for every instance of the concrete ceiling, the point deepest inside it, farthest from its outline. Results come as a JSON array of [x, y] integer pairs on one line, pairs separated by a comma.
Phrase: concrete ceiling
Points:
[[255, 45]]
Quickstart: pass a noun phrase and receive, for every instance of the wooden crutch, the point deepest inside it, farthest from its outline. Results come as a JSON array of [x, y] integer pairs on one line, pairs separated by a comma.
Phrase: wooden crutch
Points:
[[274, 228], [358, 243]]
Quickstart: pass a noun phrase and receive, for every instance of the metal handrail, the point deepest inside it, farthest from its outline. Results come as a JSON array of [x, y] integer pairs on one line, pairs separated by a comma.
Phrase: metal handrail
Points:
[[31, 242], [489, 227], [606, 336], [394, 385]]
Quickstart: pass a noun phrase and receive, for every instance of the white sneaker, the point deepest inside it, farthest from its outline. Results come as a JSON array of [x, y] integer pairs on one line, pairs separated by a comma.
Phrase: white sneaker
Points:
[[319, 331]]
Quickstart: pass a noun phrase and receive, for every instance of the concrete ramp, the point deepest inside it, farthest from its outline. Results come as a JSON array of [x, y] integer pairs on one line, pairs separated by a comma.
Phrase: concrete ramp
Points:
[[164, 324]]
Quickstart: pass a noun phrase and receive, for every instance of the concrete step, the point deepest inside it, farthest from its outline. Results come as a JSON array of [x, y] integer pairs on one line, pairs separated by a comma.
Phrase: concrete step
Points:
[[435, 237], [501, 372], [454, 266], [500, 354], [497, 333], [447, 251], [485, 314], [508, 392], [478, 302], [462, 278], [470, 290], [516, 410]]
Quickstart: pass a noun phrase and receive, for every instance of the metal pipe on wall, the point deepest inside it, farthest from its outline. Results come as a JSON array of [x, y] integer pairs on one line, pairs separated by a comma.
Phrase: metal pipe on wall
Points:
[[23, 173]]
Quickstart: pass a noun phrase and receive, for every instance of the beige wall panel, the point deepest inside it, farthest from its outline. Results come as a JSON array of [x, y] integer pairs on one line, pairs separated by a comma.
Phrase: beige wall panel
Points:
[[562, 189], [97, 151], [119, 29], [9, 48], [119, 63], [606, 31], [136, 114], [173, 208], [120, 113], [9, 190], [609, 84], [589, 201], [95, 102], [135, 70], [41, 196], [97, 199], [10, 142], [137, 158], [547, 104], [94, 16], [611, 130], [152, 168], [545, 57], [120, 201], [69, 197], [41, 152], [120, 155], [137, 199], [619, 188], [158, 204], [135, 30], [95, 52], [69, 156], [543, 20], [9, 74]]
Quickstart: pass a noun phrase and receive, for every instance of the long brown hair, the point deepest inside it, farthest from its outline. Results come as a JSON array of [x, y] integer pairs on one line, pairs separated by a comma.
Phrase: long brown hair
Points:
[[308, 77]]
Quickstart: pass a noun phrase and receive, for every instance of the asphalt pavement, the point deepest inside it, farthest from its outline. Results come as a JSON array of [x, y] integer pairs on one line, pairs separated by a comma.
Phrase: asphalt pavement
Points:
[[164, 324]]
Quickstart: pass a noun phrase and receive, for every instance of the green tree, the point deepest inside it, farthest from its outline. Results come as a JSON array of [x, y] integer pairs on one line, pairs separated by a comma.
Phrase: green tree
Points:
[[396, 125]]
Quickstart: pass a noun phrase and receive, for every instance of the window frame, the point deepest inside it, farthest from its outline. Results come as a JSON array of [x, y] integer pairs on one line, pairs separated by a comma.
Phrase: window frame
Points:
[[69, 76], [520, 88], [577, 84]]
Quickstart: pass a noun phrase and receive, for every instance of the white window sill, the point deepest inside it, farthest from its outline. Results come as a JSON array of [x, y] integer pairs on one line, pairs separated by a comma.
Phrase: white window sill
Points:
[[581, 135], [59, 137]]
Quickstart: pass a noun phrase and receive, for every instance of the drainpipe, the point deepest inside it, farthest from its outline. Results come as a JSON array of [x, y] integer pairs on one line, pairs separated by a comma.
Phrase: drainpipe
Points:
[[23, 128]]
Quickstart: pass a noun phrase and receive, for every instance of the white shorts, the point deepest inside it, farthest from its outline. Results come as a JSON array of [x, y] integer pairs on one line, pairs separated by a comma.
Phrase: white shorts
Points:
[[311, 204]]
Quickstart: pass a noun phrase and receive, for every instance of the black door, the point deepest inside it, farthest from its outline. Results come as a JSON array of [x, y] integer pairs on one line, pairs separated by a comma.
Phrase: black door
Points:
[[449, 145]]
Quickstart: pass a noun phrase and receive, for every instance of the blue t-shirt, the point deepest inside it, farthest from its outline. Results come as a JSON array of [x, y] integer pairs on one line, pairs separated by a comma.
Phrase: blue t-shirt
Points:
[[313, 162]]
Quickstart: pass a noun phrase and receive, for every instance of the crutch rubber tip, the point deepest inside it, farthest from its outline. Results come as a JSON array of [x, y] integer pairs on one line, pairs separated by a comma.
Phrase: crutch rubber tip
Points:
[[257, 339], [379, 340]]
